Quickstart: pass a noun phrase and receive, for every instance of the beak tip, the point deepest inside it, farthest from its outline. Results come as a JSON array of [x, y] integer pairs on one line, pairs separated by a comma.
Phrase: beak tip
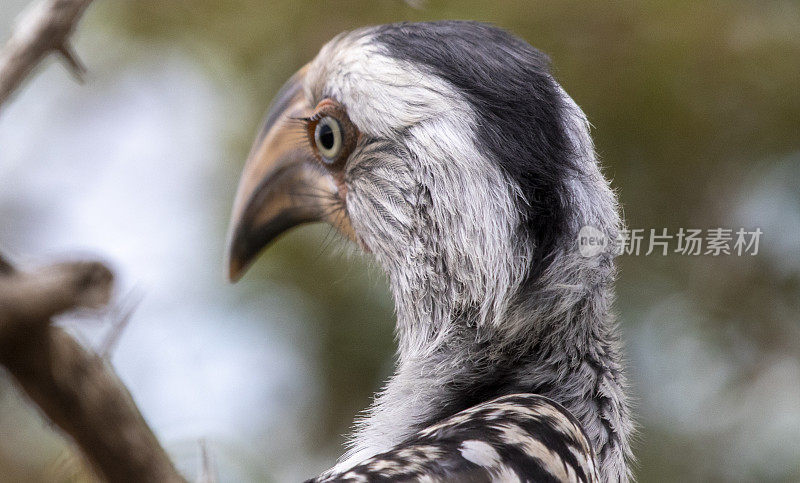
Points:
[[234, 273], [236, 267]]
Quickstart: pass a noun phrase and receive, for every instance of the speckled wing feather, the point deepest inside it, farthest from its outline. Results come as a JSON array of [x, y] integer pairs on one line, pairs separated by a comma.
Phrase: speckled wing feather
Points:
[[514, 438]]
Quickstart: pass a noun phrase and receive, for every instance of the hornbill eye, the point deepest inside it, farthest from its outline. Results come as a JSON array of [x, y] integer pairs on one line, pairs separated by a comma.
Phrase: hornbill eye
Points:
[[328, 138]]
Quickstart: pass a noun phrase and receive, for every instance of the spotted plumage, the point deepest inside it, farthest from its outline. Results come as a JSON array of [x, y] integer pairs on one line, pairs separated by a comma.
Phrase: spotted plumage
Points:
[[514, 438], [466, 172]]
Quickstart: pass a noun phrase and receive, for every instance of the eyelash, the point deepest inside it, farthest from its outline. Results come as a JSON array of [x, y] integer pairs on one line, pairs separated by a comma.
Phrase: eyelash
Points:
[[313, 118], [307, 121]]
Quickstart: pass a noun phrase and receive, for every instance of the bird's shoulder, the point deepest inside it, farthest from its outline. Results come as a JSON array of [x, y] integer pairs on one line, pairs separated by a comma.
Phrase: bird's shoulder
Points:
[[518, 437]]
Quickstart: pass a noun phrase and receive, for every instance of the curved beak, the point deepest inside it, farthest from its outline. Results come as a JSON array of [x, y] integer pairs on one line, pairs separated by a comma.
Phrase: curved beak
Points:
[[282, 184]]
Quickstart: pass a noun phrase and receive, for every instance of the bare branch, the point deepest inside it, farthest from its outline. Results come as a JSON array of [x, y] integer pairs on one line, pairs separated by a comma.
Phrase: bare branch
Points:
[[45, 27], [76, 389]]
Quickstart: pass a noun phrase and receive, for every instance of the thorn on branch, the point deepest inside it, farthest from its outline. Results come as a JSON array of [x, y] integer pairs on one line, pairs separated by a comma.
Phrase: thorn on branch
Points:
[[76, 67], [120, 317], [208, 474], [44, 28]]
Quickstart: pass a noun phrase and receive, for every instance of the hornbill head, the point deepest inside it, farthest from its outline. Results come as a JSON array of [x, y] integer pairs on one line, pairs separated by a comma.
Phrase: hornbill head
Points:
[[445, 149], [449, 152]]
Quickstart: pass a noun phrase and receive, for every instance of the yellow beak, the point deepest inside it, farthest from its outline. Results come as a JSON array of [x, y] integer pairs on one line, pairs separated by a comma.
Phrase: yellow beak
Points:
[[282, 185]]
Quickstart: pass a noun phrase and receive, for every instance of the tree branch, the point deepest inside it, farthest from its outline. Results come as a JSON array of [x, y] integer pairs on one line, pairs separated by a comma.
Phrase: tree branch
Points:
[[45, 27], [76, 389]]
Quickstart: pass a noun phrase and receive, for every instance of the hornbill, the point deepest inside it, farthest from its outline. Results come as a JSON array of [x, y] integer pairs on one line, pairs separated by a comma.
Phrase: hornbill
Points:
[[448, 152]]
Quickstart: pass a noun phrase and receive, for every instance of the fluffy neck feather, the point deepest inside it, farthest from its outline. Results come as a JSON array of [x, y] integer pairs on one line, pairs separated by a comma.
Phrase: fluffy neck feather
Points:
[[561, 344]]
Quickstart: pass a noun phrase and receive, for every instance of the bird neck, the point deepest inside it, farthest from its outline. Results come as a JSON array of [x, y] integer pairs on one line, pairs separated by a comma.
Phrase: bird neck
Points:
[[557, 339]]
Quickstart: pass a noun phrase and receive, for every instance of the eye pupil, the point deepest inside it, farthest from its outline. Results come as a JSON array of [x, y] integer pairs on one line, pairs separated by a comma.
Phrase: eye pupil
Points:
[[326, 137]]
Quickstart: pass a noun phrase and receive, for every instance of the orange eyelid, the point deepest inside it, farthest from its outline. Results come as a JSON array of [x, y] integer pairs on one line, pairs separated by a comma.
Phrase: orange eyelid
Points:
[[351, 134], [326, 104]]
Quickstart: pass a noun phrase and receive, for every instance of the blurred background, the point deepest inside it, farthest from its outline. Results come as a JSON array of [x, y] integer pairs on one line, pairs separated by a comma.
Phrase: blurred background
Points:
[[696, 115]]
